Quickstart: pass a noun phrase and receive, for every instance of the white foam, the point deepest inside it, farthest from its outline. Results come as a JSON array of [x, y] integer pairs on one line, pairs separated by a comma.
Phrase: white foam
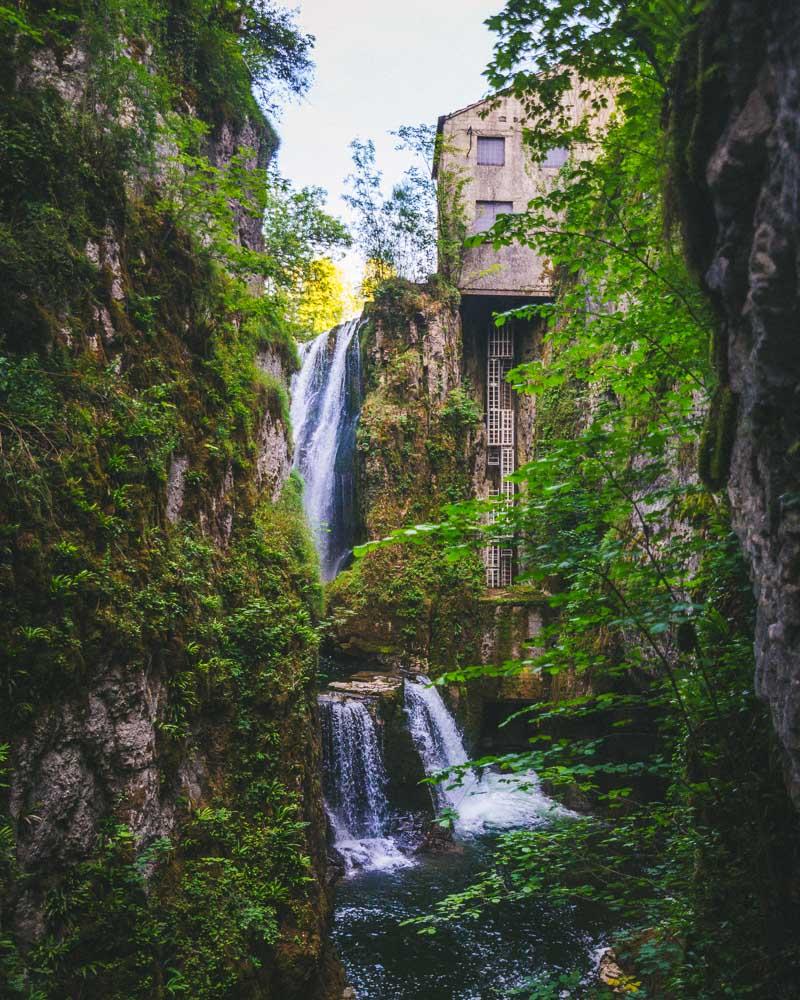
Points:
[[372, 854], [483, 801]]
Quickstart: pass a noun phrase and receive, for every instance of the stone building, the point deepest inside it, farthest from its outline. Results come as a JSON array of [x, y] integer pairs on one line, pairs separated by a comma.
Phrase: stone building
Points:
[[483, 146]]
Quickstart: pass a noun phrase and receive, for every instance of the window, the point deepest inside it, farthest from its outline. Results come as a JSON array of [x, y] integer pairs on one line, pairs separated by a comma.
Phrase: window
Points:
[[556, 157], [491, 151], [487, 211]]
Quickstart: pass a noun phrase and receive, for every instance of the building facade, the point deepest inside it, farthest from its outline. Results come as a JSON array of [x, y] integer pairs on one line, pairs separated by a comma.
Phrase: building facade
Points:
[[483, 146]]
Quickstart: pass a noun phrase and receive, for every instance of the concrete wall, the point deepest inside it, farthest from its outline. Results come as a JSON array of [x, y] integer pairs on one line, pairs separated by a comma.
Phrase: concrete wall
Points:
[[513, 270]]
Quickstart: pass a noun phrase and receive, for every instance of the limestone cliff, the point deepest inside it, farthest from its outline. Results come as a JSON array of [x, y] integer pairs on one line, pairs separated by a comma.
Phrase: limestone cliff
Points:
[[162, 824], [415, 451], [736, 128]]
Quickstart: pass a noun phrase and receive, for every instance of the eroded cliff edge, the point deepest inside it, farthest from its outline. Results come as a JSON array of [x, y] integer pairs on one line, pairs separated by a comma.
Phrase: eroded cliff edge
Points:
[[736, 130]]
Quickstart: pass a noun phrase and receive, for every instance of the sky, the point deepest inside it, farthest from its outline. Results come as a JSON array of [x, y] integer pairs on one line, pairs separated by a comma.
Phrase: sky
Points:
[[379, 65]]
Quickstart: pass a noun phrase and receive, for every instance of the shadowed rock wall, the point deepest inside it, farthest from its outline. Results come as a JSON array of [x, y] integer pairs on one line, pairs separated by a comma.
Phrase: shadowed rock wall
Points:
[[736, 130]]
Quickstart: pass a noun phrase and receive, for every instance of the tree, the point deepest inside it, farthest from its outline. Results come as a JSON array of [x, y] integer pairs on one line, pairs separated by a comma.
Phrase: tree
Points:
[[637, 559], [420, 224], [277, 55], [375, 273], [323, 298]]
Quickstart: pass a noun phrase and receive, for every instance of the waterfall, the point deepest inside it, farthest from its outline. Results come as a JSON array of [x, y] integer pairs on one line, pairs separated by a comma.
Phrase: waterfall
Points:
[[355, 782], [326, 399], [483, 801], [355, 777]]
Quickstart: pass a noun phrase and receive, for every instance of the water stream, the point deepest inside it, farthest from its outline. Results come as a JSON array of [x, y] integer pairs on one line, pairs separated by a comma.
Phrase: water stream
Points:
[[489, 958], [387, 879], [355, 782], [482, 802]]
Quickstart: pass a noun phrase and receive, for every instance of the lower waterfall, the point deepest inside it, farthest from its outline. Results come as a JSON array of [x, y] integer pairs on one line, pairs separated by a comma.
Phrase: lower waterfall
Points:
[[481, 802], [393, 877], [355, 786], [355, 780]]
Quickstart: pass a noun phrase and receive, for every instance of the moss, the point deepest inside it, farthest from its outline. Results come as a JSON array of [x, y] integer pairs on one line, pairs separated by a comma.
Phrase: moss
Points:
[[700, 106], [716, 443], [414, 444], [410, 602], [106, 373], [559, 413]]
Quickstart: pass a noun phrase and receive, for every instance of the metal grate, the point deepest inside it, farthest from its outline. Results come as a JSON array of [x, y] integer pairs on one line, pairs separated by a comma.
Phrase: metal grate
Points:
[[499, 390], [498, 557], [500, 430], [507, 460], [501, 341], [499, 566], [506, 567]]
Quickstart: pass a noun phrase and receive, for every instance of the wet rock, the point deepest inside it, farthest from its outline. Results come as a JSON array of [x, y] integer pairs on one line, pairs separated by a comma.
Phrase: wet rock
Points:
[[274, 462], [89, 757], [176, 484], [609, 973], [367, 685], [438, 839], [218, 519]]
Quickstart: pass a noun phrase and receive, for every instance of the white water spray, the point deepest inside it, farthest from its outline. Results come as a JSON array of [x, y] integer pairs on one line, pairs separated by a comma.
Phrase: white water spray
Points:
[[482, 802], [355, 787]]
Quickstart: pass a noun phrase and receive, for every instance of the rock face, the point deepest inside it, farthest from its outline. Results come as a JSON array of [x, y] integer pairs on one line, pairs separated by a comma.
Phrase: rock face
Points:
[[408, 452], [737, 119], [160, 601], [83, 757], [421, 444], [416, 444]]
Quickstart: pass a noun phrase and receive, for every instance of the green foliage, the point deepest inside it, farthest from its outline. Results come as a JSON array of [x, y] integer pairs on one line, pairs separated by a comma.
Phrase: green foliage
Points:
[[220, 53], [717, 440], [651, 600], [421, 223], [130, 338], [158, 922], [276, 54], [322, 298], [420, 603], [460, 408]]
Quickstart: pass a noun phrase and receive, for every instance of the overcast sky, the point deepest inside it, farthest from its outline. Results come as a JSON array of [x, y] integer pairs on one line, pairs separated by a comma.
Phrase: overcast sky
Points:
[[380, 65]]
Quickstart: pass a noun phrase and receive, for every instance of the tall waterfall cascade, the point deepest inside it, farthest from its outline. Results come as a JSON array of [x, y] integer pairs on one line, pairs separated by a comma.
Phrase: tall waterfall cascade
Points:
[[326, 402], [355, 786], [481, 802]]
